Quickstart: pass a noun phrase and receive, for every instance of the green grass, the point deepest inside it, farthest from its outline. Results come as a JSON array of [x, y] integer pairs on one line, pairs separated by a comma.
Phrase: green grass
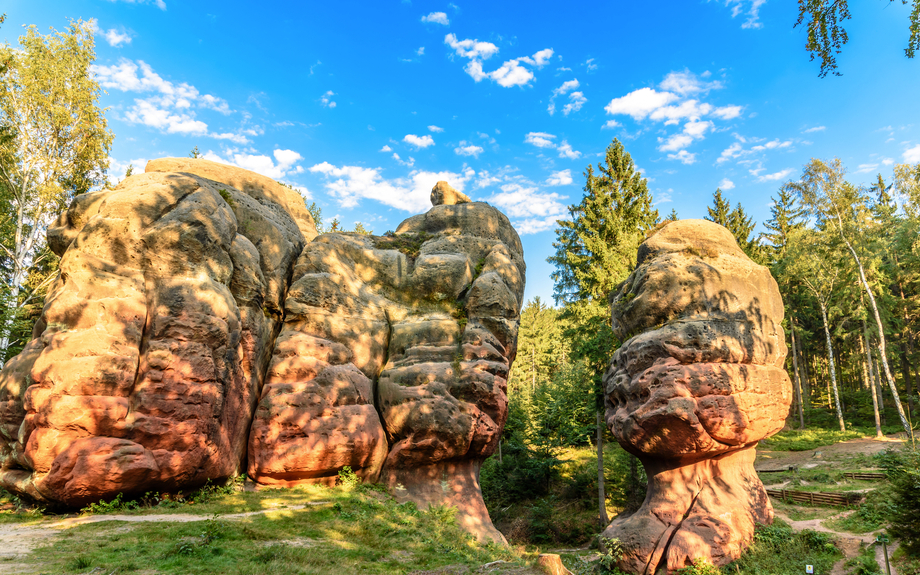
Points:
[[778, 550], [870, 516], [804, 440], [864, 563], [359, 529]]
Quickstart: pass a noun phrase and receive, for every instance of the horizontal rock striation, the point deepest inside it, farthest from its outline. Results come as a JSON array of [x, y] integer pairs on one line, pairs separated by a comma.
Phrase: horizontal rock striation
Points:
[[697, 383]]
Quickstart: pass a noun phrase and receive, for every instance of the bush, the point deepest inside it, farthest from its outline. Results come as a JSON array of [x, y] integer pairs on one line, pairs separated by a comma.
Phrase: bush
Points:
[[904, 473]]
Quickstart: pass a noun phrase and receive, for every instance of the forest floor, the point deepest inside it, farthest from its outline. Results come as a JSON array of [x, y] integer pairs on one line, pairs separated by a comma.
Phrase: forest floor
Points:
[[822, 469]]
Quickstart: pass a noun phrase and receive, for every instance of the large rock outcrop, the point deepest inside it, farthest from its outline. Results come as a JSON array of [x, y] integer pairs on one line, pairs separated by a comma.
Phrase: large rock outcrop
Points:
[[419, 327], [697, 383], [148, 359], [200, 327]]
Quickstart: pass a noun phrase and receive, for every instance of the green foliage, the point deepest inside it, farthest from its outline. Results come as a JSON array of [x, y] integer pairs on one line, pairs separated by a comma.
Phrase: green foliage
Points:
[[408, 243], [826, 35], [807, 439], [54, 144], [605, 560], [737, 222], [347, 478], [227, 197], [195, 153], [904, 473], [317, 213], [864, 563], [778, 550], [114, 506]]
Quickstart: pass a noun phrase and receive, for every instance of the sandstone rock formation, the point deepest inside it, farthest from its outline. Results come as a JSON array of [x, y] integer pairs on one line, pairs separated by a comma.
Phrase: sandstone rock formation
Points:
[[419, 326], [200, 328], [697, 383], [442, 194]]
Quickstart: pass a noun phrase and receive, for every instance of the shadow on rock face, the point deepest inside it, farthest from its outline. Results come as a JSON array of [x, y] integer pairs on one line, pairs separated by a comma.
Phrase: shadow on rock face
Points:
[[697, 383], [199, 328]]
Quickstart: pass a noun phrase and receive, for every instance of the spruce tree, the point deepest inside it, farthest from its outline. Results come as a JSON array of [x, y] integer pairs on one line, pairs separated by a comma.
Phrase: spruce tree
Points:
[[595, 251]]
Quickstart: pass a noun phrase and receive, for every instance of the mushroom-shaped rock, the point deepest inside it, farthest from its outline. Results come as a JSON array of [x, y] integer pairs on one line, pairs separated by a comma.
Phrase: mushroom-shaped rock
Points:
[[697, 383], [442, 194]]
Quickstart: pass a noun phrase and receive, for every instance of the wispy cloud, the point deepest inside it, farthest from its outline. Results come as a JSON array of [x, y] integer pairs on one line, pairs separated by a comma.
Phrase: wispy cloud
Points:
[[467, 149], [435, 129], [776, 176], [117, 37], [326, 99], [436, 18], [510, 73], [748, 8], [561, 178], [280, 164], [814, 129], [350, 184], [158, 3], [172, 108], [419, 142]]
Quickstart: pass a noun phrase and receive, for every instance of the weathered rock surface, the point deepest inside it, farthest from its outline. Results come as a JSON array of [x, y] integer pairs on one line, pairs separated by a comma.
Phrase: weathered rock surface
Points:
[[444, 194], [200, 327], [698, 383], [427, 319], [153, 342]]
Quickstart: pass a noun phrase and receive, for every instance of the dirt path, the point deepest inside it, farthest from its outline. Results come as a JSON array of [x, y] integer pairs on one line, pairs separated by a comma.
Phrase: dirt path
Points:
[[849, 543], [767, 459], [17, 540]]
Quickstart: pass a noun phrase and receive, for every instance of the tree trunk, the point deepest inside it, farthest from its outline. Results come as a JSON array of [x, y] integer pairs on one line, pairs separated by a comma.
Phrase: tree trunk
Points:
[[870, 379], [601, 495], [883, 357], [905, 371], [798, 380], [7, 328], [830, 365]]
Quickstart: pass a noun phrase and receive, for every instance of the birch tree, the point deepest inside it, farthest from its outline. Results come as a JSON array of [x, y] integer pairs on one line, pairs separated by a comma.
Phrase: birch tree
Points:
[[820, 275], [57, 146], [833, 201]]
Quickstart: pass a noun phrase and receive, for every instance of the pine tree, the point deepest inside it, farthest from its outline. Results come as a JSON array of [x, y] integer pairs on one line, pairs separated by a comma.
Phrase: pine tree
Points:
[[595, 251], [736, 221], [720, 210]]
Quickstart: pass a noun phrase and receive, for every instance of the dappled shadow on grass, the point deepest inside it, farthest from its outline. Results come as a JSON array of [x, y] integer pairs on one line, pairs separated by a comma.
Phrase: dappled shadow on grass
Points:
[[359, 529]]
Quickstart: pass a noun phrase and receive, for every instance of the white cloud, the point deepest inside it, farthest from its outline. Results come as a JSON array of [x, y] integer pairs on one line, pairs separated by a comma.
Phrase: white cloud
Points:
[[728, 112], [727, 184], [774, 176], [686, 82], [590, 65], [639, 103], [326, 99], [284, 162], [533, 211], [912, 155], [750, 7], [611, 124], [814, 129], [675, 142], [349, 184], [887, 161], [561, 90], [116, 38], [171, 108], [435, 129], [561, 178], [471, 48], [511, 73], [539, 59], [566, 151], [158, 3], [418, 141], [684, 156], [865, 168], [467, 149], [386, 148], [576, 101], [436, 18], [772, 145], [540, 139], [420, 51], [409, 163]]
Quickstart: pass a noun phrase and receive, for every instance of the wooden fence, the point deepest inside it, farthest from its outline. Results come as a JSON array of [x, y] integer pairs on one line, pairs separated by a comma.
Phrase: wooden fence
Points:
[[818, 498], [866, 476]]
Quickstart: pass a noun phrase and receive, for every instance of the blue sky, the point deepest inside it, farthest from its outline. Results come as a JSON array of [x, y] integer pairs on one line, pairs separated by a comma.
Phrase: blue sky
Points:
[[365, 105]]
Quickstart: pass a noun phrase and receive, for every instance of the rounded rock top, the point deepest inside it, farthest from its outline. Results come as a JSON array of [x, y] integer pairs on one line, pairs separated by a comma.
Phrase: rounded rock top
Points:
[[443, 194]]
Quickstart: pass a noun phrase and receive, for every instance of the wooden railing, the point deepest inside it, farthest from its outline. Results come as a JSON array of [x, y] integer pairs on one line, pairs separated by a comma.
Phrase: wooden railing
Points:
[[818, 498], [866, 476]]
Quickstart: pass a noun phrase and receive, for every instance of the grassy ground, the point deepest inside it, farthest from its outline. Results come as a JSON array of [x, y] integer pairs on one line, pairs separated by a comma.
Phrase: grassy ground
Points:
[[348, 530]]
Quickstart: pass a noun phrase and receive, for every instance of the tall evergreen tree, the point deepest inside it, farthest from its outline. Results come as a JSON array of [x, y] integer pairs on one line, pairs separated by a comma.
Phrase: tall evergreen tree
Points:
[[595, 251], [736, 221], [720, 209]]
